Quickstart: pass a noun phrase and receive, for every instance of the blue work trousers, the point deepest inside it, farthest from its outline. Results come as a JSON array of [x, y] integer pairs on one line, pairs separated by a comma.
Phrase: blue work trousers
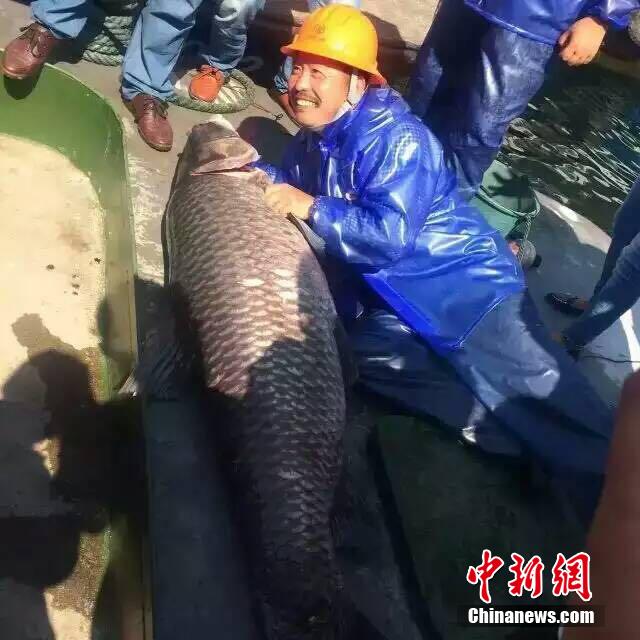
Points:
[[509, 389], [619, 286], [158, 37], [281, 79], [471, 79]]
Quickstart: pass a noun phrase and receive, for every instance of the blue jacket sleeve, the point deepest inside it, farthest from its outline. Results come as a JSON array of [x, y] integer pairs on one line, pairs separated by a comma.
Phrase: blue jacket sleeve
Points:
[[398, 177], [615, 12]]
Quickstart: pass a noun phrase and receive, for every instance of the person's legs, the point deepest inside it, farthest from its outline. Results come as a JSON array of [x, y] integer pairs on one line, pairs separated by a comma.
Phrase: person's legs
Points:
[[442, 57], [64, 18], [281, 79], [618, 294], [228, 39], [534, 389], [156, 43], [55, 20], [157, 40], [489, 93], [394, 363], [625, 228]]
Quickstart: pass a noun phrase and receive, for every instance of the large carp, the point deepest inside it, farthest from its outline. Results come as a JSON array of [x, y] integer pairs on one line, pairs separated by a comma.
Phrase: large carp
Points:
[[254, 301]]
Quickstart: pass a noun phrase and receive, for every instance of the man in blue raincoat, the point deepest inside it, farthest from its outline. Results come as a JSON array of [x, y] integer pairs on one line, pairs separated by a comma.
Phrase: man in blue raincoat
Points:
[[483, 60], [436, 307]]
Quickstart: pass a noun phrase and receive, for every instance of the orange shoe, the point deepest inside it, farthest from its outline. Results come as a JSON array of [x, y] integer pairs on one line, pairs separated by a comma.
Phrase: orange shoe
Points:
[[206, 84]]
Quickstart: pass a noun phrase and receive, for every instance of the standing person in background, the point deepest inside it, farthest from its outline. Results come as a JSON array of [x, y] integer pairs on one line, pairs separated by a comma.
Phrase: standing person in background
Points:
[[280, 89], [483, 60], [227, 44], [158, 38], [619, 286]]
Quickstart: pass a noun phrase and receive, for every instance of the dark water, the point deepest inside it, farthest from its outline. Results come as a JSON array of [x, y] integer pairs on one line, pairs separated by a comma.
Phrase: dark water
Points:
[[579, 140]]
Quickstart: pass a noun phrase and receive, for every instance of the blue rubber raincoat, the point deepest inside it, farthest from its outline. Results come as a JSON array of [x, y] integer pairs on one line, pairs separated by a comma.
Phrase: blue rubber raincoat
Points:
[[467, 89], [386, 204], [545, 20]]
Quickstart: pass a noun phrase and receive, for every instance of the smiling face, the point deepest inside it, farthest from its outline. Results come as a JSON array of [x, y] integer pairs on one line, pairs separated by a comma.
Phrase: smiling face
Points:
[[317, 89]]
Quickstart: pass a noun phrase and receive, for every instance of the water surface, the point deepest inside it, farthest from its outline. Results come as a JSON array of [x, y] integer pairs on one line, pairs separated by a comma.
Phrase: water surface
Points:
[[579, 140]]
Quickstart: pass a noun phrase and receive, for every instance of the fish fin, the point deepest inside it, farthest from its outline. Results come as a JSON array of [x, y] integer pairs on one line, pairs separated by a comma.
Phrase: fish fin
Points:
[[130, 386], [165, 368], [163, 375], [317, 244]]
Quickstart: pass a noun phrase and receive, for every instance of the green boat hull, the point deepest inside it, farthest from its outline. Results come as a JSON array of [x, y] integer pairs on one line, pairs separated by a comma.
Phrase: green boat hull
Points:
[[63, 113]]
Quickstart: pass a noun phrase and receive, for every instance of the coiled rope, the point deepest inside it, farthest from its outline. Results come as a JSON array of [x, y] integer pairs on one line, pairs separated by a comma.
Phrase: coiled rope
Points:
[[115, 22]]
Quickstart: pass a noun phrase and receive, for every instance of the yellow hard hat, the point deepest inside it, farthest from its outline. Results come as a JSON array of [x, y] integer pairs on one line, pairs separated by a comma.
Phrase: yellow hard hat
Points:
[[341, 33]]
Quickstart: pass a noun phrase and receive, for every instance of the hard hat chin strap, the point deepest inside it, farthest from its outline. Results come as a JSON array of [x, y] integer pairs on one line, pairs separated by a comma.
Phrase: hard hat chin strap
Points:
[[354, 95]]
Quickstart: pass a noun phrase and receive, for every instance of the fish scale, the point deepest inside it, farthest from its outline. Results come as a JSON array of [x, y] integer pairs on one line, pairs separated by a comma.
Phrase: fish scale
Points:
[[259, 310]]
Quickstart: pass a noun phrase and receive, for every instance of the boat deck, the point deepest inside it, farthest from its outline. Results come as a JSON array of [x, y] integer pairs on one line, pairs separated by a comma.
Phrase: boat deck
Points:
[[151, 174]]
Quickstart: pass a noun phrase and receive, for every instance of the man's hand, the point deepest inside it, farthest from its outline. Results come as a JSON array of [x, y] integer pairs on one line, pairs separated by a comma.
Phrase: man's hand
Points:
[[284, 199], [581, 41]]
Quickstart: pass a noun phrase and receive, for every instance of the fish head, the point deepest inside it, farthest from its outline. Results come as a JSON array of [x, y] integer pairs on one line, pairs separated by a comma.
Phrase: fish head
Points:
[[216, 148]]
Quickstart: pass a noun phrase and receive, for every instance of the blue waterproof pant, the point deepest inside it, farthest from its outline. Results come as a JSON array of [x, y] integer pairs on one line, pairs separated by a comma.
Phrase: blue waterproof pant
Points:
[[619, 286], [471, 79], [509, 389], [158, 37], [281, 79]]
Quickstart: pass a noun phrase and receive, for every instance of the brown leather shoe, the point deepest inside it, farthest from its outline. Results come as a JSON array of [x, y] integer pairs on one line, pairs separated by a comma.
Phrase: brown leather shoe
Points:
[[26, 55], [150, 114]]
